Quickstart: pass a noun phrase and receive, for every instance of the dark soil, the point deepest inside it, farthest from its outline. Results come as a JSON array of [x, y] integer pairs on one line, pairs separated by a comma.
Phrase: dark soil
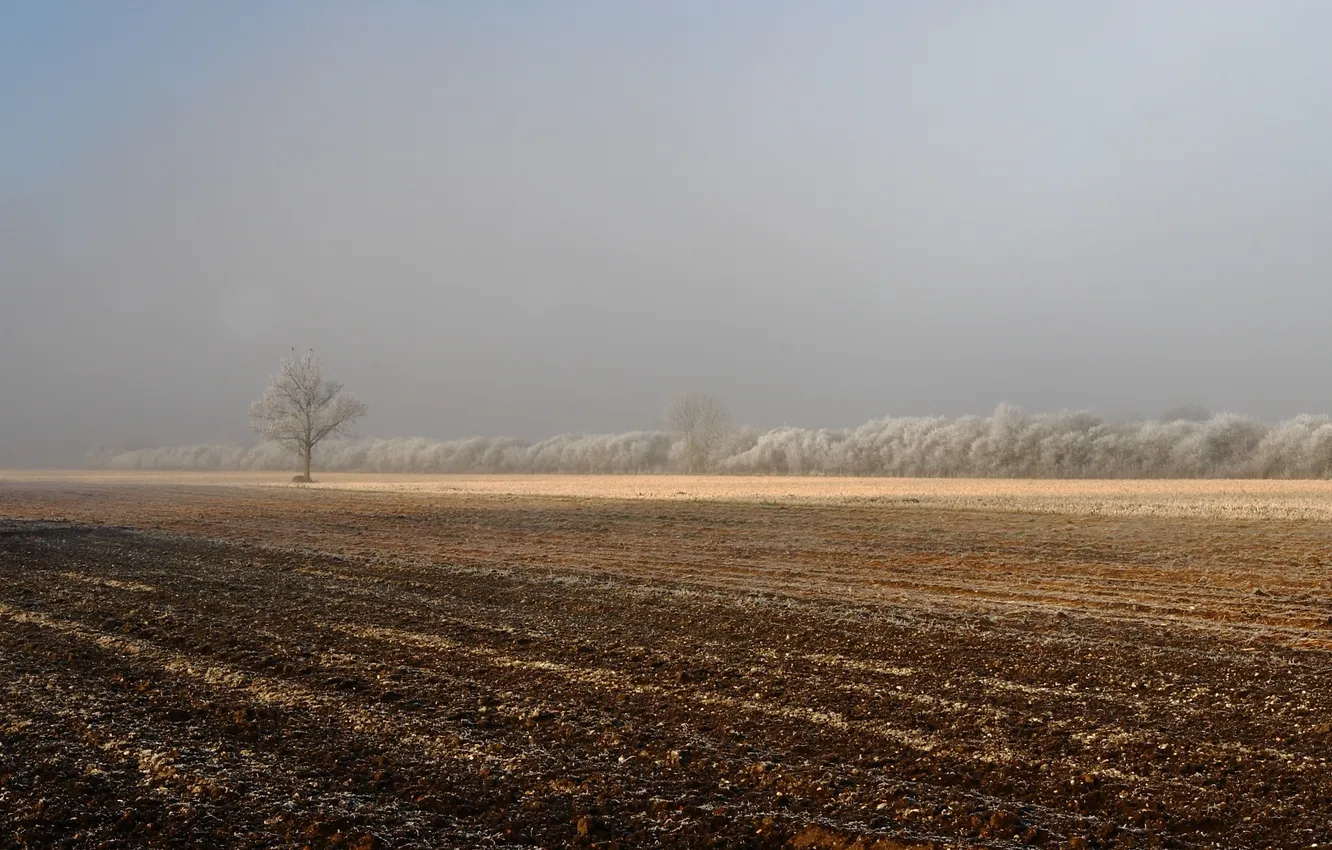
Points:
[[499, 678]]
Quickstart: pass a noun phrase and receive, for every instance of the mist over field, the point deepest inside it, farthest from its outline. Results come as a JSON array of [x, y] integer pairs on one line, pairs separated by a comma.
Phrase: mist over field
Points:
[[1009, 443], [537, 219]]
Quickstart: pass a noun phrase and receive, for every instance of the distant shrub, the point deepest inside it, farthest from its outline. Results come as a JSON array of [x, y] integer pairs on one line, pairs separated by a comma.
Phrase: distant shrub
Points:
[[1010, 443]]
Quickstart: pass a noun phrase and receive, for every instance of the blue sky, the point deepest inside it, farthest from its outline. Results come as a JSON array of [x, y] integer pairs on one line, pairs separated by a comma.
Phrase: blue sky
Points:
[[74, 73]]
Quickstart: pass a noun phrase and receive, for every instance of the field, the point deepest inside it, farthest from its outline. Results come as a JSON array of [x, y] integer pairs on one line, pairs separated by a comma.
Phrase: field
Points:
[[209, 661]]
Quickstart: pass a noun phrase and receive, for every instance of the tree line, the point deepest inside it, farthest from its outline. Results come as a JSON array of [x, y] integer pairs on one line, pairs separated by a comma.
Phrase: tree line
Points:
[[303, 411]]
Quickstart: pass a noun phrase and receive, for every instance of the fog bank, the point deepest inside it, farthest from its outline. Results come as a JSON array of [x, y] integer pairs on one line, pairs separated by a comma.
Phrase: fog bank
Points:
[[552, 218]]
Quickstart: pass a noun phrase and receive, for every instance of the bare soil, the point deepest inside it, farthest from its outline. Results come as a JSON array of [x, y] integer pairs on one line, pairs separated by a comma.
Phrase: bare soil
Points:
[[195, 666]]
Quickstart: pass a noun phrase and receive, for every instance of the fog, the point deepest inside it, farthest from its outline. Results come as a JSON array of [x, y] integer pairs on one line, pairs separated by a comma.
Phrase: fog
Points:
[[526, 220]]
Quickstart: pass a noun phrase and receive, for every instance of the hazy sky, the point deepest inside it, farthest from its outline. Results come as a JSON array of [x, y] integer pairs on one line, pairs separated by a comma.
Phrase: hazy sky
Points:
[[529, 218]]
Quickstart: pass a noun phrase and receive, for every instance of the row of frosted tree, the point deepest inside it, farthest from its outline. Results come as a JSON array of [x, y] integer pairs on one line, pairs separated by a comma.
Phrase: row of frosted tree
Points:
[[1010, 443]]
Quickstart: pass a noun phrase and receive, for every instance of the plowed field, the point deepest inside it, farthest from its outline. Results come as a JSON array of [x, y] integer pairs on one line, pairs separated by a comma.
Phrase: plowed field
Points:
[[196, 666]]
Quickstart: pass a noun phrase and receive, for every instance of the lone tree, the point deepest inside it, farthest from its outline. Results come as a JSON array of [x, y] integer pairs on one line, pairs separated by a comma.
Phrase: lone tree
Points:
[[703, 421], [300, 407]]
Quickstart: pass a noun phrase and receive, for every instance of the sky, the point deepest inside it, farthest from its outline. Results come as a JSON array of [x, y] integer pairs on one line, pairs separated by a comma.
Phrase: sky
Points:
[[526, 218]]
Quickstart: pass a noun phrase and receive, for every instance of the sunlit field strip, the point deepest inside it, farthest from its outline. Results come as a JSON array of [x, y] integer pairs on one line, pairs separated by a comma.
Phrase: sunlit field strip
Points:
[[1238, 499]]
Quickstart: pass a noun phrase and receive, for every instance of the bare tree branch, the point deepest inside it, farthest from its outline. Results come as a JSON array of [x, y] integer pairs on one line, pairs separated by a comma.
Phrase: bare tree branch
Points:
[[703, 421], [301, 407]]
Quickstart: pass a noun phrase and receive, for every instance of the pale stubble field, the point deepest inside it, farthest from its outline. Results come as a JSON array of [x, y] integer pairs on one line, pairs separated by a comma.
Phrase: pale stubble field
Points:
[[1201, 498]]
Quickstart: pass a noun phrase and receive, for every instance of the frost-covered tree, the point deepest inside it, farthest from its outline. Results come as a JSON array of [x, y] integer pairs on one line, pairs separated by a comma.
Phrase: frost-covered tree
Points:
[[1185, 413], [703, 422], [301, 407], [1009, 443]]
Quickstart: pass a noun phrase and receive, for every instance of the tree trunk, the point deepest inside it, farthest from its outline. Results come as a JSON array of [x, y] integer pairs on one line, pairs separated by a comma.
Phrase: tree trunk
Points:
[[307, 464]]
